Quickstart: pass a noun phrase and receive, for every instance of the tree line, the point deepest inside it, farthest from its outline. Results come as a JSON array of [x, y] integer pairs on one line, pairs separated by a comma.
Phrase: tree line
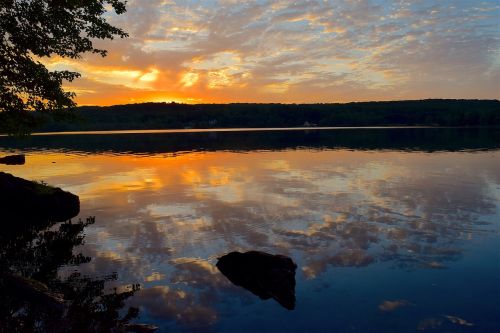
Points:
[[175, 115]]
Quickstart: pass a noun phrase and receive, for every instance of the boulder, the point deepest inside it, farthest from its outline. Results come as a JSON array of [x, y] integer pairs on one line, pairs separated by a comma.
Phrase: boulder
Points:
[[13, 160], [263, 274], [23, 200]]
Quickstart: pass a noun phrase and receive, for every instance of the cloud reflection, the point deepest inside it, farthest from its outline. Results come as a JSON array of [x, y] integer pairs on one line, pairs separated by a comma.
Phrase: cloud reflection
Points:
[[329, 208]]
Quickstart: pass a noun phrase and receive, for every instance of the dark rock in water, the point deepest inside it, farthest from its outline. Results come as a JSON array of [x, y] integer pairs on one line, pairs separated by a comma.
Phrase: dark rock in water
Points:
[[263, 274], [13, 160], [21, 199]]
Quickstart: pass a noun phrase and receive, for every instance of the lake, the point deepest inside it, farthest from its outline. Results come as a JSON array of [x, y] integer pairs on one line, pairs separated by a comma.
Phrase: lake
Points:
[[392, 230]]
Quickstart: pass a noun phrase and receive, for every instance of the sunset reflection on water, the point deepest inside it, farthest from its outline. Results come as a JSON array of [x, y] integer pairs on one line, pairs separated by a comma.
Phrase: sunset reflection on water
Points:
[[385, 240]]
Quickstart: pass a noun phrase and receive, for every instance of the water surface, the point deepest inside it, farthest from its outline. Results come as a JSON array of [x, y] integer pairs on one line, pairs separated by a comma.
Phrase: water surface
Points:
[[392, 230]]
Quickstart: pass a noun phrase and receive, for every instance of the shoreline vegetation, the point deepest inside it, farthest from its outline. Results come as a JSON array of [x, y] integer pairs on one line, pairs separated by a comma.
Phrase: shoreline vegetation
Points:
[[155, 116]]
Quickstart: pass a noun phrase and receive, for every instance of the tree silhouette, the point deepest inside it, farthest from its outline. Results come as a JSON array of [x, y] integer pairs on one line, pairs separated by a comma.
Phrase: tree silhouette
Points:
[[33, 29]]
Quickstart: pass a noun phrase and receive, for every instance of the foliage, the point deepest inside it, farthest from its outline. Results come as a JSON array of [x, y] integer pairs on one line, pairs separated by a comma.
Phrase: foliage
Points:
[[42, 188], [173, 115], [33, 29]]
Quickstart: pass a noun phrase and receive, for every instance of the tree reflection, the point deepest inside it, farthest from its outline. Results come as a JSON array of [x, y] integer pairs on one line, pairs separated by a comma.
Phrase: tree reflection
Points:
[[34, 297]]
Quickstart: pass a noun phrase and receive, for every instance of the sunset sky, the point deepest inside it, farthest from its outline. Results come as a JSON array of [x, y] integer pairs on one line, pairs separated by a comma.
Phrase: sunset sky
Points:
[[294, 51]]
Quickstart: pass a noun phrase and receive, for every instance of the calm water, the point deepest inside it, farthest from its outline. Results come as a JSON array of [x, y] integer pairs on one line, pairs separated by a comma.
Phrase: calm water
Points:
[[392, 230]]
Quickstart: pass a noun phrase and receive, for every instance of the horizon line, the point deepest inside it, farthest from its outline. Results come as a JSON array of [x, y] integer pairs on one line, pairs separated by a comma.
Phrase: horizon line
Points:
[[297, 103]]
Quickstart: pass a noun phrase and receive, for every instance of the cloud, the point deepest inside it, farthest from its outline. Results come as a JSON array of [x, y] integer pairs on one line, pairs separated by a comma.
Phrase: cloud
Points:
[[390, 306], [435, 323], [301, 51], [163, 302], [458, 321]]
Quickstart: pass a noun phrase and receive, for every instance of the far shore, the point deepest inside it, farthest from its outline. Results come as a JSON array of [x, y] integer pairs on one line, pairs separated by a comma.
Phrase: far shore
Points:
[[249, 129]]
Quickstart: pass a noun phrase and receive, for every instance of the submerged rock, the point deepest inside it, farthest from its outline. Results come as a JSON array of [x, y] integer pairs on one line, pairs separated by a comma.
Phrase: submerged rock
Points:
[[22, 200], [13, 160], [263, 274]]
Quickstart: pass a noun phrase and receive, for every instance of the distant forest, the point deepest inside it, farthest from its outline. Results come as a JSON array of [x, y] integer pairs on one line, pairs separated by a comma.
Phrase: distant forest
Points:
[[177, 116]]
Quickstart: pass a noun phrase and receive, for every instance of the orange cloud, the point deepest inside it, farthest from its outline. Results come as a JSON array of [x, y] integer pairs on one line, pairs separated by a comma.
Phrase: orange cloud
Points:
[[293, 52]]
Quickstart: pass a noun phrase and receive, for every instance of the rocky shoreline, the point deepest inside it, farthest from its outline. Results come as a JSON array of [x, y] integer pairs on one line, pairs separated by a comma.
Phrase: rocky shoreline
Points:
[[27, 200]]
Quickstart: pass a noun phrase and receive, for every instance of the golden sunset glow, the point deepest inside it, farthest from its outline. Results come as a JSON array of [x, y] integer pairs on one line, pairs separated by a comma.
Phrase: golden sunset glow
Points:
[[305, 51]]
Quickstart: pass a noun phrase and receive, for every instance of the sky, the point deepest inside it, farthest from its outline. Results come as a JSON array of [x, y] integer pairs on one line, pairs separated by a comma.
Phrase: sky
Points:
[[294, 52]]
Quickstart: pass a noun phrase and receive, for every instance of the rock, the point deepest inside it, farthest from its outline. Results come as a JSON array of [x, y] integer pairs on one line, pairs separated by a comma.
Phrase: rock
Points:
[[13, 160], [23, 200], [263, 274]]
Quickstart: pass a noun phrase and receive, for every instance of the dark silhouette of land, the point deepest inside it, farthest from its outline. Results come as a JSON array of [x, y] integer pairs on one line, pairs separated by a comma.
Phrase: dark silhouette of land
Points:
[[175, 116], [25, 200], [399, 139]]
